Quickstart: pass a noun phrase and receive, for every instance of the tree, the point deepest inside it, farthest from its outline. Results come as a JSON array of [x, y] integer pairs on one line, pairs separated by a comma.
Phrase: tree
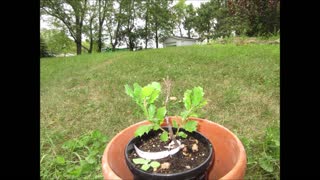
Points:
[[179, 12], [212, 20], [115, 21], [90, 25], [147, 33], [57, 41], [71, 13], [160, 19], [102, 12], [129, 12], [43, 48], [257, 17], [206, 20], [189, 19]]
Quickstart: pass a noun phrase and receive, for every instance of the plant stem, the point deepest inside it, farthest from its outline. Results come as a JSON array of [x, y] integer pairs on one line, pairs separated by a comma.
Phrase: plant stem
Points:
[[171, 133], [168, 88], [178, 130], [163, 129], [145, 108]]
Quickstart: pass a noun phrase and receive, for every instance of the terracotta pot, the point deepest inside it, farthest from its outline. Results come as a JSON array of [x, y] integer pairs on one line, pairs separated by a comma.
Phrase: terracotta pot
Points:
[[230, 157]]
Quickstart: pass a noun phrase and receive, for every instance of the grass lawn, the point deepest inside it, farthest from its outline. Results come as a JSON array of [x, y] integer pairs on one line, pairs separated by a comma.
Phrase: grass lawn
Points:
[[86, 93]]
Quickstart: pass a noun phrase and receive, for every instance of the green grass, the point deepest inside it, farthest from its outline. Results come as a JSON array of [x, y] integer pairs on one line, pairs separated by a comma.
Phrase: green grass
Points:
[[86, 93]]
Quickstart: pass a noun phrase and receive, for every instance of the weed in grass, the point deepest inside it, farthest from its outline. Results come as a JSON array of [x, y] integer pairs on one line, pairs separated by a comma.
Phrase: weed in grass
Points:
[[79, 158]]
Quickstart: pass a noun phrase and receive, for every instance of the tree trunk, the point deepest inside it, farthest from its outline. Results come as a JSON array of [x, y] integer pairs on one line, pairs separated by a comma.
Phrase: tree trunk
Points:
[[189, 33], [78, 47], [156, 39], [156, 35], [100, 38], [113, 47], [78, 36], [146, 46], [101, 21], [91, 37], [146, 31], [91, 46]]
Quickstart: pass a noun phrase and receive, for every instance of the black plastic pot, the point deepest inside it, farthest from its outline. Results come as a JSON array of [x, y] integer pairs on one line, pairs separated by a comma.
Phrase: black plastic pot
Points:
[[197, 173]]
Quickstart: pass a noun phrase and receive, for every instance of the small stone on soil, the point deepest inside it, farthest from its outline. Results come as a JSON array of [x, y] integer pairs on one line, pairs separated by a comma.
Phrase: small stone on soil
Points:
[[188, 167], [191, 159], [195, 148], [154, 169], [185, 149], [165, 165], [153, 145]]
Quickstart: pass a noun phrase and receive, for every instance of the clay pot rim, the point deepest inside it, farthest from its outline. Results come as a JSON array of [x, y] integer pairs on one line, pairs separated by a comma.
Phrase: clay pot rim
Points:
[[242, 153], [209, 158], [241, 160]]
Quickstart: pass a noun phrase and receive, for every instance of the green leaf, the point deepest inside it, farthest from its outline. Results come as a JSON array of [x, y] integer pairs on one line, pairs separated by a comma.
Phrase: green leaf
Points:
[[187, 99], [155, 164], [197, 96], [161, 112], [137, 93], [277, 142], [154, 96], [184, 114], [60, 160], [86, 167], [129, 91], [104, 139], [164, 136], [151, 111], [190, 126], [71, 144], [193, 115], [174, 124], [140, 161], [156, 86], [203, 103], [146, 91], [145, 167], [96, 134], [91, 159], [265, 164], [143, 129], [156, 127], [156, 91], [182, 134], [76, 172]]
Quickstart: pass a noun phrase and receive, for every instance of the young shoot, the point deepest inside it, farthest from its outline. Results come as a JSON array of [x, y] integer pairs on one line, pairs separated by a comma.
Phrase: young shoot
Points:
[[145, 97], [193, 101], [146, 164]]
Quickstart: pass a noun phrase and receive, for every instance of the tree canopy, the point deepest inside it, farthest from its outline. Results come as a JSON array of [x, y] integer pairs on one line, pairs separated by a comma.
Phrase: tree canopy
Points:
[[132, 23]]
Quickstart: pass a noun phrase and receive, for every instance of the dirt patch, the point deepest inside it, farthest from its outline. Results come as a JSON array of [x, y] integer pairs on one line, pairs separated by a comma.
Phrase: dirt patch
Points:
[[186, 158]]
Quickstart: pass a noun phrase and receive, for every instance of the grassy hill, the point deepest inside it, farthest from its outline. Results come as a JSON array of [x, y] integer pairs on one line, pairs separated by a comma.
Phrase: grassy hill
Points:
[[86, 93]]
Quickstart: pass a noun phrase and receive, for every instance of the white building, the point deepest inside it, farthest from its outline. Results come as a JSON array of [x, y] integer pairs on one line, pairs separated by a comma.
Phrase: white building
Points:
[[178, 41]]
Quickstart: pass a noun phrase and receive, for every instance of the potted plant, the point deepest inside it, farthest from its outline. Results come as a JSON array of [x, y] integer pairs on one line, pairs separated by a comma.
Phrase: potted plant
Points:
[[149, 149], [178, 152]]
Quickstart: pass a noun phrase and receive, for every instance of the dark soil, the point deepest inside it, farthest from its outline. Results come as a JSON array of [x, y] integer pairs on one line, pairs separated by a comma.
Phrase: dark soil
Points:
[[181, 161]]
